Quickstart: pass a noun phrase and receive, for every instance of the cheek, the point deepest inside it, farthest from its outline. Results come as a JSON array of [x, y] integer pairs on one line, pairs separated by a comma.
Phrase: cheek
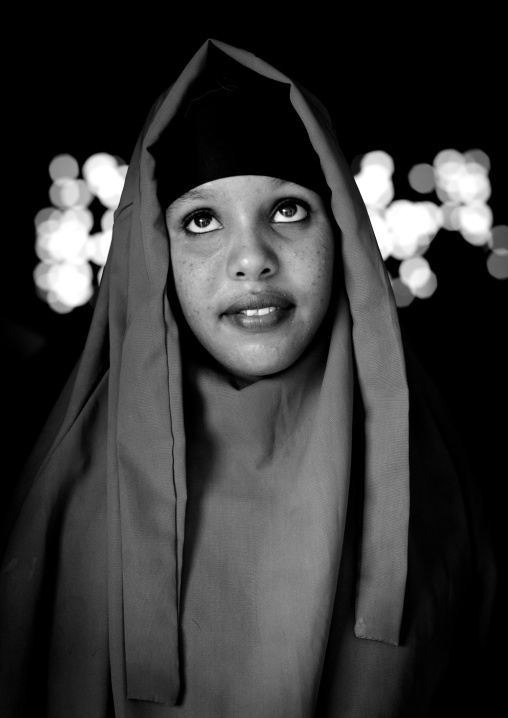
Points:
[[186, 286], [317, 267], [194, 280], [323, 272], [183, 273]]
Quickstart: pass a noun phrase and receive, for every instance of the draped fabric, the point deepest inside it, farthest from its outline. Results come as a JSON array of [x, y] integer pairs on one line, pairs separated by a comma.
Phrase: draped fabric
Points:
[[96, 553]]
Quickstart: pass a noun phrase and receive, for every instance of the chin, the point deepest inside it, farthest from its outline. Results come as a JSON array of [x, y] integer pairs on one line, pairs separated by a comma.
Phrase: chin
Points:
[[256, 367]]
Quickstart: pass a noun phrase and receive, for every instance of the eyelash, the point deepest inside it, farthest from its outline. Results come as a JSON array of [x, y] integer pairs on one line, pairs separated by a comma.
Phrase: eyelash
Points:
[[188, 219], [293, 200], [209, 212]]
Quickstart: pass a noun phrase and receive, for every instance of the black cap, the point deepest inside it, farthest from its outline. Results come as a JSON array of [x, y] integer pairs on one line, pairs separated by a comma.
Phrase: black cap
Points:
[[234, 122]]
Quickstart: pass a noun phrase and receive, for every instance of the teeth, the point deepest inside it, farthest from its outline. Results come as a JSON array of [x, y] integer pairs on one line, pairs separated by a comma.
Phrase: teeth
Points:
[[258, 312]]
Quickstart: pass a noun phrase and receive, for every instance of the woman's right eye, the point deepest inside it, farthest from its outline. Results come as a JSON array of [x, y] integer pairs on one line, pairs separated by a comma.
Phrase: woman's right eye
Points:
[[202, 222]]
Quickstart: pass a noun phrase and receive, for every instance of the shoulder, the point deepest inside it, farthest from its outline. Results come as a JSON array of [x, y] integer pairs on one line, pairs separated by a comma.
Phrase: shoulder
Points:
[[69, 456]]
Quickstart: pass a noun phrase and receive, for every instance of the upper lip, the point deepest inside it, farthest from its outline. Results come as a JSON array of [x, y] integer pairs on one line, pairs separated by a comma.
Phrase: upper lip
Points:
[[258, 301]]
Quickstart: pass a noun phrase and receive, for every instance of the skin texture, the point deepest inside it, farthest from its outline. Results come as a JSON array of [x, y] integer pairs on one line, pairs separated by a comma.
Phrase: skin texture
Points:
[[232, 241]]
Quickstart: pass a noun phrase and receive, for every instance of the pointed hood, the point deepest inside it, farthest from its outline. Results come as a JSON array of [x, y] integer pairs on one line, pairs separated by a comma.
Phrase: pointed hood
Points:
[[135, 334]]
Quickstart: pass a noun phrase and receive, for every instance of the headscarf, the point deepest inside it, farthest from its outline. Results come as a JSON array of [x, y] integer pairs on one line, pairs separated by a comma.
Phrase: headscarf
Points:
[[132, 356], [234, 122]]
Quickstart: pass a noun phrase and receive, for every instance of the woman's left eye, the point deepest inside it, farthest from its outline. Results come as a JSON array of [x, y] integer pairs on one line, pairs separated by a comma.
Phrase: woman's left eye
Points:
[[290, 211]]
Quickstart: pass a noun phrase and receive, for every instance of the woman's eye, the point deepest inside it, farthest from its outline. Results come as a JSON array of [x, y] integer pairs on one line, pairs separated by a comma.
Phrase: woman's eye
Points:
[[202, 222], [290, 212]]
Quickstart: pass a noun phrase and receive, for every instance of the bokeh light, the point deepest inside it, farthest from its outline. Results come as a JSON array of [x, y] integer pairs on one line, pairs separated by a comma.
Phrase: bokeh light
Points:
[[475, 222], [65, 245], [107, 220], [105, 178], [479, 157], [499, 237], [414, 272], [497, 263], [413, 225], [72, 256], [404, 229], [427, 288], [421, 178], [97, 247], [65, 192], [63, 167], [375, 179]]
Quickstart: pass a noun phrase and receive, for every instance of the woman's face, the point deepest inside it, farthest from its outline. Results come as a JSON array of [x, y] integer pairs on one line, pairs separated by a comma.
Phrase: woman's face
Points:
[[252, 263]]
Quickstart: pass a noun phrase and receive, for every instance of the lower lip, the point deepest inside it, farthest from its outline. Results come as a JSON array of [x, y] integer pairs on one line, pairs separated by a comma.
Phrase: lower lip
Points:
[[260, 322]]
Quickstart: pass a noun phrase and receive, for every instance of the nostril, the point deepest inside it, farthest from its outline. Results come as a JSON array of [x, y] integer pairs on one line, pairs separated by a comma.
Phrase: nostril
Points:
[[251, 264]]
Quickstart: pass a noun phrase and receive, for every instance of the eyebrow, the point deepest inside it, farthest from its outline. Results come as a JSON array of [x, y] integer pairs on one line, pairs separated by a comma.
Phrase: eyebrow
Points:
[[200, 193], [196, 193]]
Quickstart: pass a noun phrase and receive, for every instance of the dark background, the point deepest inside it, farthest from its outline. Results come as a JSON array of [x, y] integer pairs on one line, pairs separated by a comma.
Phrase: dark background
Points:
[[411, 84]]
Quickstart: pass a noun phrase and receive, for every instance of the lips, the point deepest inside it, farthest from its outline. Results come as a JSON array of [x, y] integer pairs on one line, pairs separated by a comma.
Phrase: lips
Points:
[[262, 300], [259, 312]]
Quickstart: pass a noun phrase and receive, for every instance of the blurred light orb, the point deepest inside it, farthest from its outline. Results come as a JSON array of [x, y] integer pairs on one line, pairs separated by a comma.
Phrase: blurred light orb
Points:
[[97, 247], [399, 218], [450, 213], [109, 186], [68, 241], [472, 184], [378, 158], [83, 216], [56, 303], [461, 178], [413, 226], [48, 226], [69, 192], [499, 237], [92, 168], [55, 192], [426, 290], [475, 222], [66, 192], [443, 195], [479, 157], [75, 193], [428, 220], [414, 272], [40, 275], [105, 178], [421, 178], [64, 277], [449, 167], [70, 284], [375, 186], [63, 167], [107, 220], [45, 214], [434, 216], [497, 263], [447, 162], [41, 249]]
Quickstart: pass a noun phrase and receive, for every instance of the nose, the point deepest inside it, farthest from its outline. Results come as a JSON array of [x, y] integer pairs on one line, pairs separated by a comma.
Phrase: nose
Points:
[[251, 257]]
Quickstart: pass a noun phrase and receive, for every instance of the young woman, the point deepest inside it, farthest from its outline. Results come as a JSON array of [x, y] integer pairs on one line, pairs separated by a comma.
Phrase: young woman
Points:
[[246, 501]]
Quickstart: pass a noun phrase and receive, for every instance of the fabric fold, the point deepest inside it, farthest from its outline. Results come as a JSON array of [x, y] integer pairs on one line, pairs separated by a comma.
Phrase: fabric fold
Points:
[[134, 329], [150, 438]]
